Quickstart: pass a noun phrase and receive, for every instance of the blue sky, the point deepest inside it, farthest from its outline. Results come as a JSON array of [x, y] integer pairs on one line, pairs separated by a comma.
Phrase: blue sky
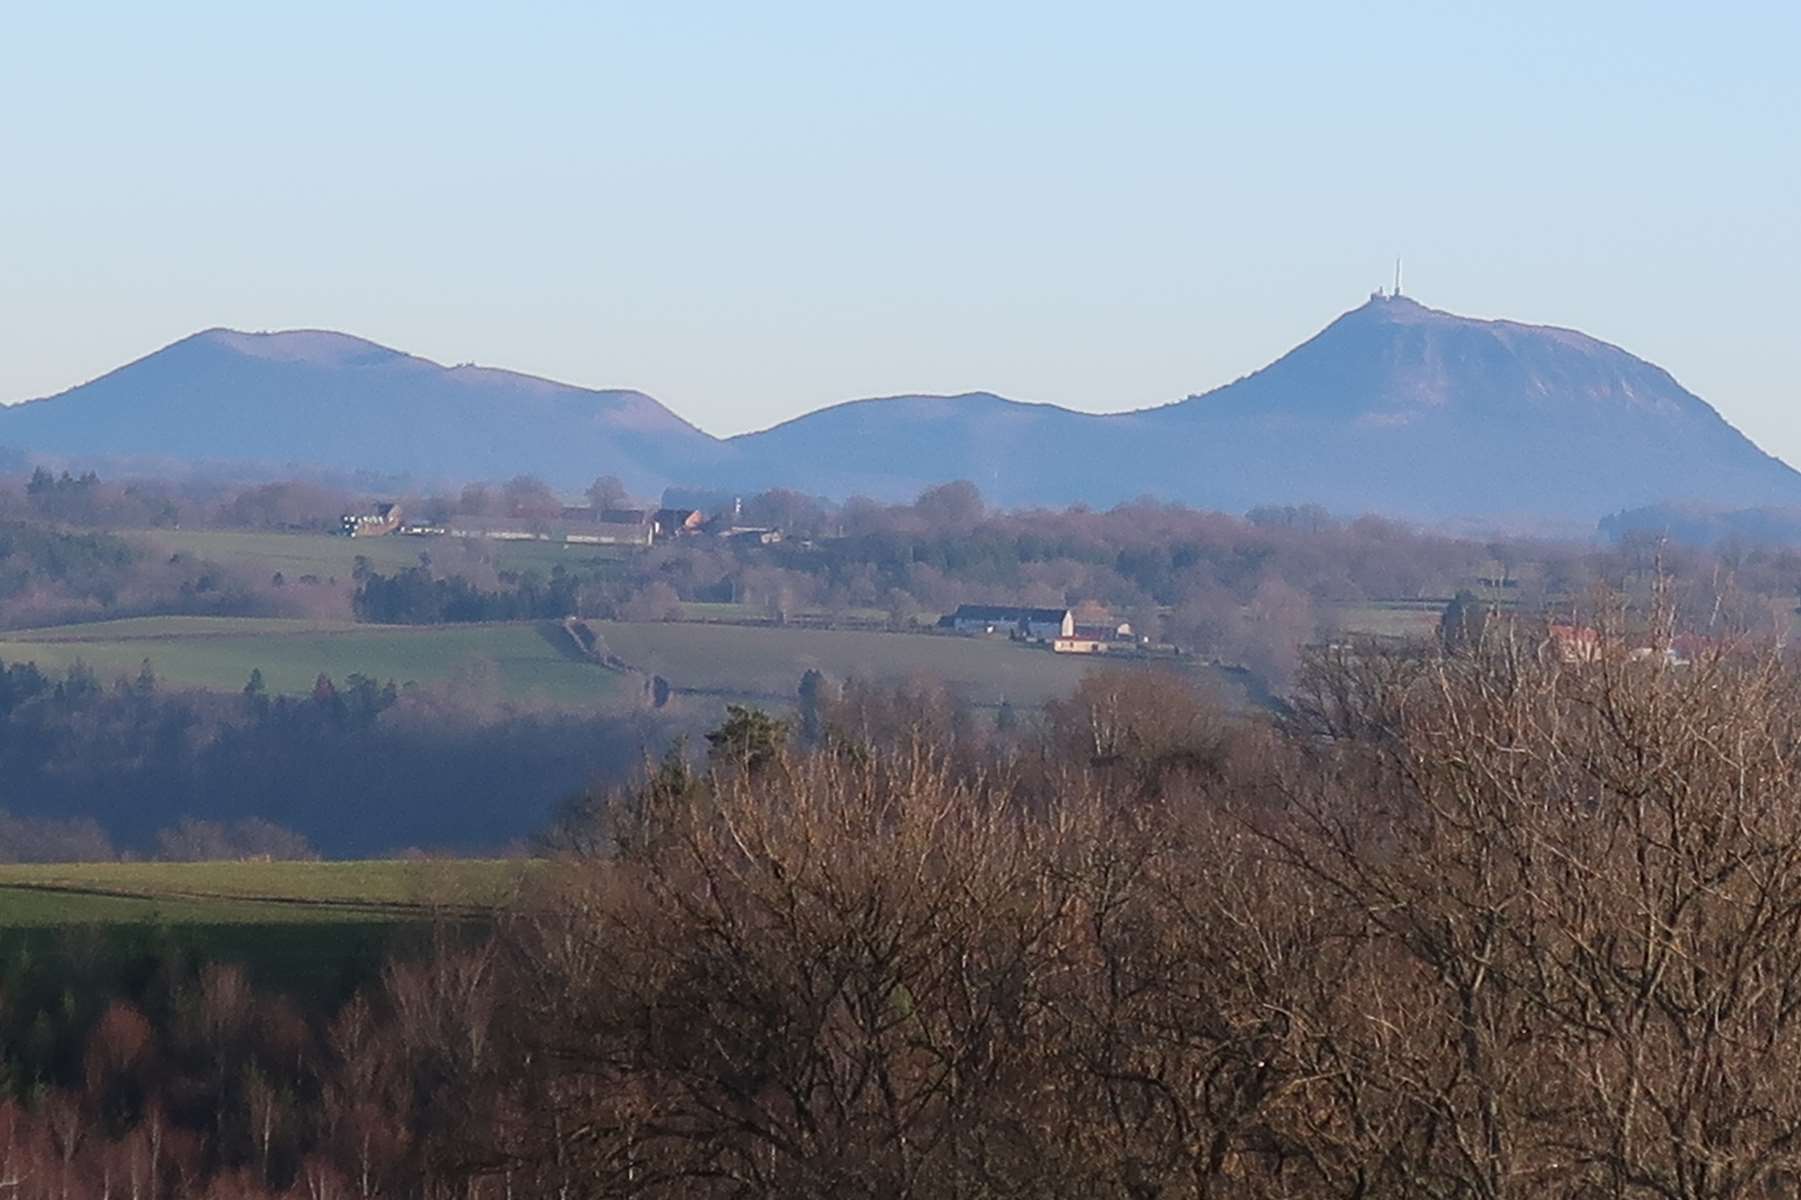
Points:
[[753, 210]]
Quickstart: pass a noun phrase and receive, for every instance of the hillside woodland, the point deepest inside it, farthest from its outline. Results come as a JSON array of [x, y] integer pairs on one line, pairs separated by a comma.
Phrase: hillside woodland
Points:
[[1248, 589], [1466, 922], [94, 770], [99, 767]]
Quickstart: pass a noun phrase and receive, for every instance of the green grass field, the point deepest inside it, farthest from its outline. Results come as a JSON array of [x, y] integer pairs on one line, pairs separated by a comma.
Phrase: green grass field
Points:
[[218, 653], [32, 907], [297, 554], [172, 628], [325, 555], [759, 661], [314, 930], [530, 662], [728, 613], [527, 662], [1389, 618], [223, 892]]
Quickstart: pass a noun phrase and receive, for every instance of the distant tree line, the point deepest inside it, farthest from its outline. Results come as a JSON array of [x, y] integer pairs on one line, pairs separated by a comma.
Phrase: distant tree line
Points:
[[1732, 530], [1250, 590], [417, 596], [50, 839], [356, 767], [51, 575]]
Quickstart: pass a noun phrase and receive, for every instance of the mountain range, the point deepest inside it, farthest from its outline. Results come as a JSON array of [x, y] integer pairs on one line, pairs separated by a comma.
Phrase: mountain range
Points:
[[1393, 407]]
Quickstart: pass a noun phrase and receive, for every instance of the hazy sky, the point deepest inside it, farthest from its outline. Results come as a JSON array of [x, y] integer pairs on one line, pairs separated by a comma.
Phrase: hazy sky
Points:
[[750, 210]]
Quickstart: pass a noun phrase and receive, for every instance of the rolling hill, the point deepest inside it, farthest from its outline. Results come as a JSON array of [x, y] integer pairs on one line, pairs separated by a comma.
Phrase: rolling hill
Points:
[[310, 399], [1393, 407]]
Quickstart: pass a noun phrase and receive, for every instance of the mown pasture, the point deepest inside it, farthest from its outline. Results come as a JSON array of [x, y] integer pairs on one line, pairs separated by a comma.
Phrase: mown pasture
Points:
[[329, 556], [752, 614], [534, 661], [521, 661], [762, 661], [312, 929], [217, 889], [1388, 618]]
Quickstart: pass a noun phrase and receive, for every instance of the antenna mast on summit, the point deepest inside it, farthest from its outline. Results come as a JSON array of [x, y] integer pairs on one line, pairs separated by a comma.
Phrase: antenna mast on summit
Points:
[[1397, 276]]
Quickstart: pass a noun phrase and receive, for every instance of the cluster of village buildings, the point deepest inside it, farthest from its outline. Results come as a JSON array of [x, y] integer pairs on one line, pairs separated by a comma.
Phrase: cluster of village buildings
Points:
[[1585, 644], [576, 526], [1058, 629], [1053, 627]]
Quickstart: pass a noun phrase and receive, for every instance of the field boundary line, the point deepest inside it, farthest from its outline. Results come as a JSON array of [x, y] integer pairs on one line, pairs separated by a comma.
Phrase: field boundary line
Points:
[[397, 907]]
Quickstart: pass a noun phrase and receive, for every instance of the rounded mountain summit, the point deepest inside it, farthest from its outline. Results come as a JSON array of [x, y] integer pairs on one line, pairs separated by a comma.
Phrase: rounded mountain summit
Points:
[[313, 400], [1393, 407]]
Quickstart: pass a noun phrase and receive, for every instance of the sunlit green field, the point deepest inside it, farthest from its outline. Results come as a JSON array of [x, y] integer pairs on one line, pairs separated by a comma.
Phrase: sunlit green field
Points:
[[313, 930], [532, 661], [32, 894], [326, 555], [180, 627], [711, 611], [54, 908], [1389, 618], [523, 660], [763, 661]]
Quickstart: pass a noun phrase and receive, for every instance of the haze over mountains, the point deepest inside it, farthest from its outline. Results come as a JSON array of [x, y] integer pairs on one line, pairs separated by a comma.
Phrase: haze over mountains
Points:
[[1393, 407], [308, 399]]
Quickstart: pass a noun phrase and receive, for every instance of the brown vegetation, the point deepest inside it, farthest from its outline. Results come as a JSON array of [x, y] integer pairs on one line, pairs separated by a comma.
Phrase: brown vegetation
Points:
[[1472, 923]]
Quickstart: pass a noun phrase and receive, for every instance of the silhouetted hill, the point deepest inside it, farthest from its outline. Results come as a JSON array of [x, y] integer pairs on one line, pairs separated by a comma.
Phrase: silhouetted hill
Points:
[[1698, 525], [894, 447], [1393, 407], [327, 400]]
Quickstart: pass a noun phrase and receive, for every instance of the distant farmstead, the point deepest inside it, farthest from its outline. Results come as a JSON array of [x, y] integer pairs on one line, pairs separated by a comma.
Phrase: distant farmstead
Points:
[[1028, 624], [587, 532], [1095, 639], [1576, 643], [373, 521], [568, 525], [674, 522], [611, 533]]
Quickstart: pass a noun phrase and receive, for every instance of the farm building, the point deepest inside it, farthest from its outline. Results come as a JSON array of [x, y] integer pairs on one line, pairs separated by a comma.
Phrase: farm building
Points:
[[1579, 644], [373, 521], [1104, 631], [504, 529], [610, 533], [1576, 643], [523, 529], [1031, 624], [1095, 639], [673, 522]]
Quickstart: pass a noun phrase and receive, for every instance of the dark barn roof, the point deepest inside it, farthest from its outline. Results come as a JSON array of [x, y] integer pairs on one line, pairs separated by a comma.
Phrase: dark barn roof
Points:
[[1100, 633], [1008, 613]]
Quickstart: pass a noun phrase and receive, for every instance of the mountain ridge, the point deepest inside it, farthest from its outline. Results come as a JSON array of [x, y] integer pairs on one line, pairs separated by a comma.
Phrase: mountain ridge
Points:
[[1392, 406], [915, 399], [335, 401]]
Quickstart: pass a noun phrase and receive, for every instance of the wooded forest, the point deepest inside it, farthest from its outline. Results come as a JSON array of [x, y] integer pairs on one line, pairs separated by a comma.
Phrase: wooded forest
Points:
[[1474, 920]]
